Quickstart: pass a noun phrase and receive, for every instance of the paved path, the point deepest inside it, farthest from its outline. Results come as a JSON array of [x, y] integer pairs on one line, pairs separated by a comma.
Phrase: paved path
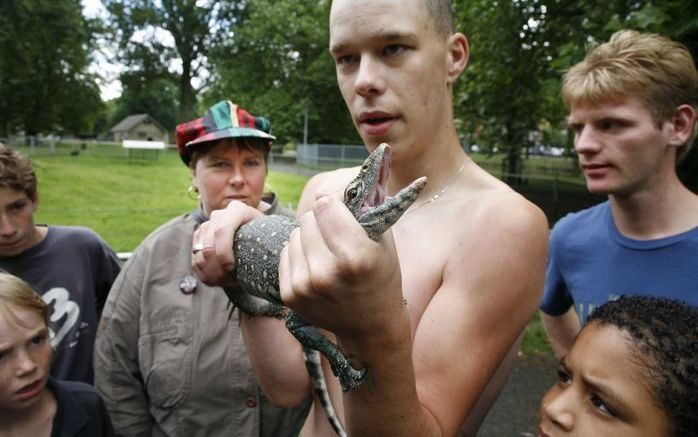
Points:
[[515, 414]]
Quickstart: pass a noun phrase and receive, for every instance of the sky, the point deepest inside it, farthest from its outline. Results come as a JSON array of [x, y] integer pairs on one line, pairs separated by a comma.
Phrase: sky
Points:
[[109, 85]]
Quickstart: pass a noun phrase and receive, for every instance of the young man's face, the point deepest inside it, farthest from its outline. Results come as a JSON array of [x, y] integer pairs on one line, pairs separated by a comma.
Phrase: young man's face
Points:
[[391, 68], [621, 149], [17, 232]]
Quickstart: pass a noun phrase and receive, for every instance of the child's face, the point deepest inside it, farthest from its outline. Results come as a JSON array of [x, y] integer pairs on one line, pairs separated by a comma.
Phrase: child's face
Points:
[[25, 358], [602, 391]]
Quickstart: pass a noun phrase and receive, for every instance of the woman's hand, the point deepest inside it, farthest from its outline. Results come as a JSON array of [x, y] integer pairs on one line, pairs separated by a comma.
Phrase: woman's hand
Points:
[[212, 244]]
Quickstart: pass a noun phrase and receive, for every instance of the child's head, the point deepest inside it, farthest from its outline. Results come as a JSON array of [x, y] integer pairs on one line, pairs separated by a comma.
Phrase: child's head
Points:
[[652, 68], [633, 370], [664, 336], [15, 293], [25, 349], [17, 172]]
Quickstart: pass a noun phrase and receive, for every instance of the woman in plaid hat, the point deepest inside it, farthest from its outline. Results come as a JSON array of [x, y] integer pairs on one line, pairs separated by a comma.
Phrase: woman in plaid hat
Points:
[[170, 358]]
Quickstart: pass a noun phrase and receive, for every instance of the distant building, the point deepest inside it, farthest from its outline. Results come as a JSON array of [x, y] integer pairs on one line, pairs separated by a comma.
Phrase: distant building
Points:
[[140, 127]]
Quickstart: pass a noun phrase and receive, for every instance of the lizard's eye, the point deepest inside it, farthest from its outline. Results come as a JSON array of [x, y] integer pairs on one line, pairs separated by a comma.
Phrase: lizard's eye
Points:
[[352, 193]]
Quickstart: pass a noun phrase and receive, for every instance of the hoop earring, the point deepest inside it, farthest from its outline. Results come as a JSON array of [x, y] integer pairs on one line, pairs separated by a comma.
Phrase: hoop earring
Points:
[[193, 193]]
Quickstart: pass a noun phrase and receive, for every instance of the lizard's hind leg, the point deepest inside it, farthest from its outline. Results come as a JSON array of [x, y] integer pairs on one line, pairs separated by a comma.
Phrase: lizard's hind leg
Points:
[[310, 337]]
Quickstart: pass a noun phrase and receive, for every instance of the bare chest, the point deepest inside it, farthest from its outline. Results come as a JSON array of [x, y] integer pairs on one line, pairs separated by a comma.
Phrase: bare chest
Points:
[[424, 252]]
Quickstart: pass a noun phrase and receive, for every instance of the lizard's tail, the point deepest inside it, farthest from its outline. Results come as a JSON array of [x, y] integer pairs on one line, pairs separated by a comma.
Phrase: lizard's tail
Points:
[[314, 366]]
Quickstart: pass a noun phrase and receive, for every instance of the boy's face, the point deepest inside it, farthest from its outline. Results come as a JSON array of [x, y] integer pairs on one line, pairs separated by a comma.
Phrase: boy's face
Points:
[[391, 67], [601, 390], [17, 232], [621, 149], [25, 357]]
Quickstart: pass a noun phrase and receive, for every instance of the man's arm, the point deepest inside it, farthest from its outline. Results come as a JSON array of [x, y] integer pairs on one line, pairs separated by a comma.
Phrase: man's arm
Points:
[[338, 279], [562, 330]]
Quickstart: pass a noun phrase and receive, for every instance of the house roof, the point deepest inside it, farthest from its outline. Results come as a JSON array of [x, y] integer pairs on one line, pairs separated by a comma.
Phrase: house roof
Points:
[[131, 121]]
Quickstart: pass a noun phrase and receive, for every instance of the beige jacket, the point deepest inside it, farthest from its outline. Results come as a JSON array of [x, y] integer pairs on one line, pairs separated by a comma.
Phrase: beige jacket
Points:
[[172, 363]]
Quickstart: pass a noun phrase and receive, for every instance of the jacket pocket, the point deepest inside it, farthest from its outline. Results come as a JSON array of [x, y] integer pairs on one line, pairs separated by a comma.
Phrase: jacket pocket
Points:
[[165, 357]]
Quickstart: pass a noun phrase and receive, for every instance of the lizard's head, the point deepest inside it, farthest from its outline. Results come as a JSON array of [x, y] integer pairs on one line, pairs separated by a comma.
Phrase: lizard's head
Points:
[[368, 187], [366, 199]]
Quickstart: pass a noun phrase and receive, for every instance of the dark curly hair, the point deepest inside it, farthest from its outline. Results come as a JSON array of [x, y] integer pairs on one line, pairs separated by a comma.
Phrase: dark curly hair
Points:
[[665, 338], [17, 171]]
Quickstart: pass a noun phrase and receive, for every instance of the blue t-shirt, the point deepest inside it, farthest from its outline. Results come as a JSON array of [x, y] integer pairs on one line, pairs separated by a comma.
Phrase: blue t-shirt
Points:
[[590, 262]]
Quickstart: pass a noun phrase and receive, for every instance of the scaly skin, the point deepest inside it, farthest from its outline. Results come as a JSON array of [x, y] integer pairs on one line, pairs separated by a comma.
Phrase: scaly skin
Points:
[[257, 246]]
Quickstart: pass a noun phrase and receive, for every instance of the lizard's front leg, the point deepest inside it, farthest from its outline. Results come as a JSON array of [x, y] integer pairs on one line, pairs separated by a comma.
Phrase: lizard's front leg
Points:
[[253, 305]]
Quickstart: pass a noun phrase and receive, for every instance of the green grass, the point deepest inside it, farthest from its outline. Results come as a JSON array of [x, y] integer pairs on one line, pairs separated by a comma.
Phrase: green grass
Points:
[[535, 340], [123, 199]]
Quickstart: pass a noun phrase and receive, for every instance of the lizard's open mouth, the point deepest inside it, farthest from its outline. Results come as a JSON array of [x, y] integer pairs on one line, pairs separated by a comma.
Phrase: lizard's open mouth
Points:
[[366, 196], [376, 195]]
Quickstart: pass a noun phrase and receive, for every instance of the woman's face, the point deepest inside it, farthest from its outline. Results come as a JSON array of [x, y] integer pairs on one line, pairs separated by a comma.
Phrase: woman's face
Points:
[[602, 391], [228, 172], [25, 358]]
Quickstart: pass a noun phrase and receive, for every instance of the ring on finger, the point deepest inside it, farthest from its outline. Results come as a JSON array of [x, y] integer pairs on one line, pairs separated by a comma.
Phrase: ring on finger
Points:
[[197, 247]]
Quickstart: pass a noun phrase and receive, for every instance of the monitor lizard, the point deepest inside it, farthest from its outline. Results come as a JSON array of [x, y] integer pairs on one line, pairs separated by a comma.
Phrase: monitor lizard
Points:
[[257, 246]]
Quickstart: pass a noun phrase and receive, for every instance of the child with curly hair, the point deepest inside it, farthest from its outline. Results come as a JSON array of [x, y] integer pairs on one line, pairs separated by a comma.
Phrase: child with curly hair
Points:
[[632, 371]]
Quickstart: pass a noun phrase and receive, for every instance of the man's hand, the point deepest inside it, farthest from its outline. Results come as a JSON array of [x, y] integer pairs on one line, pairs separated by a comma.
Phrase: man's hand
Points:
[[212, 244], [336, 277]]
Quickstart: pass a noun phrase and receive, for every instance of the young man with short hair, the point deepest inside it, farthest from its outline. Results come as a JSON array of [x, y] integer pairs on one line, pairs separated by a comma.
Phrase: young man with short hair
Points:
[[468, 257], [71, 267], [632, 104]]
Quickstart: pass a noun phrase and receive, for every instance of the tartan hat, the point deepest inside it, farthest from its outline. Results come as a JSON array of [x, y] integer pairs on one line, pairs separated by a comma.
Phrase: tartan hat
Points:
[[225, 119]]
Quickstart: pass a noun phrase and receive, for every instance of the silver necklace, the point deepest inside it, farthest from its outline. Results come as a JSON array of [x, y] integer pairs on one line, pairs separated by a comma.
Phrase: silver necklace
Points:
[[443, 190]]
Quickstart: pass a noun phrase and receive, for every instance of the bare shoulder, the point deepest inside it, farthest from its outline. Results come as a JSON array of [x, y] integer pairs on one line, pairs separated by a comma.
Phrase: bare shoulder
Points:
[[498, 232], [491, 204], [325, 183]]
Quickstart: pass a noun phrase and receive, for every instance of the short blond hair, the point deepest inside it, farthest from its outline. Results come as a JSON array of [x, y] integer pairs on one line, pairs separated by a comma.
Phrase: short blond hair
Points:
[[14, 292], [658, 71]]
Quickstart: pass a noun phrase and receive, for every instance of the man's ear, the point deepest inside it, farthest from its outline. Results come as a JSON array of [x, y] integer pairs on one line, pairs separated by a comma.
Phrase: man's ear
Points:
[[682, 124], [457, 59]]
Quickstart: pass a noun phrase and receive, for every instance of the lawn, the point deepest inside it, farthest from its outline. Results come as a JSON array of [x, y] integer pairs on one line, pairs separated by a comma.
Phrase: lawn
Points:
[[124, 199], [121, 198]]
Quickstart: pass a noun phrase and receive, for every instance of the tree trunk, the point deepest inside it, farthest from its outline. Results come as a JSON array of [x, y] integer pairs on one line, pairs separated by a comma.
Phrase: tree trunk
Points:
[[513, 158], [187, 97]]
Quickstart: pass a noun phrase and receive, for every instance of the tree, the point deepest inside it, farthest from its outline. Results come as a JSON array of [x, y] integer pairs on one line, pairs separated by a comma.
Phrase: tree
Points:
[[498, 100], [278, 65], [44, 55], [148, 88], [520, 50], [195, 27]]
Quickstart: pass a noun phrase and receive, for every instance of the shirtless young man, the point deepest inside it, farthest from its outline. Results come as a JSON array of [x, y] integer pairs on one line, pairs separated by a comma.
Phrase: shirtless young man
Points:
[[470, 264]]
